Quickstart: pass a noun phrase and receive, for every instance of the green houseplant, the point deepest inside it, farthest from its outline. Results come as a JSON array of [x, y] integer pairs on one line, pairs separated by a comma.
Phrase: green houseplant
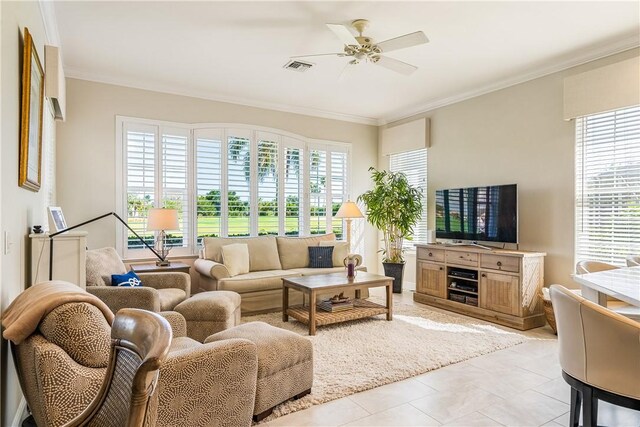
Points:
[[394, 207]]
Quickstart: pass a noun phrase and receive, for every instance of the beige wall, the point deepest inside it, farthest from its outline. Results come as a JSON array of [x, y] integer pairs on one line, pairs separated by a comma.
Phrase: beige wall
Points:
[[86, 144], [21, 208], [515, 135]]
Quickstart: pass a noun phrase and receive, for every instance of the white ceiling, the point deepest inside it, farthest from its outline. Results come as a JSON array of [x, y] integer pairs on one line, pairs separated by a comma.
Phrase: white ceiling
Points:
[[234, 51]]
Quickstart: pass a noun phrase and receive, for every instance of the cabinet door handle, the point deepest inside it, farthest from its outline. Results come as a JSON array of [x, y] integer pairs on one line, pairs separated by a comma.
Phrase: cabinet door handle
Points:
[[440, 268], [461, 256], [499, 263], [430, 254], [484, 275]]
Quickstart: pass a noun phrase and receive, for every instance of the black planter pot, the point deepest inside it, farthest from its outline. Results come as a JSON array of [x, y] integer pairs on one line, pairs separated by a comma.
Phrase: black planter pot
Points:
[[395, 270]]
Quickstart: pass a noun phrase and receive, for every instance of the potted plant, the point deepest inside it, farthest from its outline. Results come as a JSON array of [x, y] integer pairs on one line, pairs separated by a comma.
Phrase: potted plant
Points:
[[394, 207]]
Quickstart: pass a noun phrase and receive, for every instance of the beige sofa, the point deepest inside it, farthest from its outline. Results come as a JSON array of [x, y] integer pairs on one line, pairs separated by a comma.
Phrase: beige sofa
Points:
[[270, 260]]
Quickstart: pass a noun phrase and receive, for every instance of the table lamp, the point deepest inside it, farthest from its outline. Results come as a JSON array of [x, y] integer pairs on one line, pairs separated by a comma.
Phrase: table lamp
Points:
[[348, 211], [161, 219]]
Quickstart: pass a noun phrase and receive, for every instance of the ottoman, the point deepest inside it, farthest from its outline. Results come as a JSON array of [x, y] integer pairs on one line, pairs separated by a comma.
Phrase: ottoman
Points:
[[209, 312], [285, 364]]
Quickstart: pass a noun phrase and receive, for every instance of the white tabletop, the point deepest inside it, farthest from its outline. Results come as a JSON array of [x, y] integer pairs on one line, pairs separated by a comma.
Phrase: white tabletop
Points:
[[620, 283]]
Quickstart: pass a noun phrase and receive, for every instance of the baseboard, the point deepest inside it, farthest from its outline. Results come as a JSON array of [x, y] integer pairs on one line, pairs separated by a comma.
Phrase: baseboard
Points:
[[20, 413]]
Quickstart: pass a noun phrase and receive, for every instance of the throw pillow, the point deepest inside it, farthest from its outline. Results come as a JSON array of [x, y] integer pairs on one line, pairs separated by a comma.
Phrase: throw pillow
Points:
[[320, 256], [340, 251], [130, 279], [236, 258]]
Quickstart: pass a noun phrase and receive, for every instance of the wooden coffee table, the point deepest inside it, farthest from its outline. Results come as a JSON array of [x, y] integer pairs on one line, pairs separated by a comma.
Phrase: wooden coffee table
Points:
[[334, 283]]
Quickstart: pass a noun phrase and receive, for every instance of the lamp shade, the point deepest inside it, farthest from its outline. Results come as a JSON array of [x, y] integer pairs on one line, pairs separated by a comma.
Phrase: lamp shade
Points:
[[349, 210], [162, 219]]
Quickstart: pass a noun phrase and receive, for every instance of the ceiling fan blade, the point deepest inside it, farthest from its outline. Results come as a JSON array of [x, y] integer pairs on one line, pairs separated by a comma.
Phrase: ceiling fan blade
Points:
[[347, 70], [408, 40], [343, 34], [395, 65], [320, 54]]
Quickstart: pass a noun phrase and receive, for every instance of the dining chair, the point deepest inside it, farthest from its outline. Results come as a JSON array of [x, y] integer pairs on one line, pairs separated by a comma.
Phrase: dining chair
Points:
[[599, 353]]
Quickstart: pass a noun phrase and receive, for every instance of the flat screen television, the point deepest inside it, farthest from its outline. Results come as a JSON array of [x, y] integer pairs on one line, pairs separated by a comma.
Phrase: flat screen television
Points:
[[487, 214]]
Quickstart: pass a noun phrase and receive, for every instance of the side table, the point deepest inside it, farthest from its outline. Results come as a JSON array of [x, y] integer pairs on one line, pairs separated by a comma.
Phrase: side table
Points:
[[179, 267]]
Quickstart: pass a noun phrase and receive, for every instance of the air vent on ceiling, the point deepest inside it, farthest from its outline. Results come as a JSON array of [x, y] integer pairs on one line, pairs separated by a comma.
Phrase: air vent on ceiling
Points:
[[298, 66]]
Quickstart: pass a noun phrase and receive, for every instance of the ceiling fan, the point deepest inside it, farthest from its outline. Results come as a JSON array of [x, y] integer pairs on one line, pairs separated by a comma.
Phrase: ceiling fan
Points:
[[364, 49]]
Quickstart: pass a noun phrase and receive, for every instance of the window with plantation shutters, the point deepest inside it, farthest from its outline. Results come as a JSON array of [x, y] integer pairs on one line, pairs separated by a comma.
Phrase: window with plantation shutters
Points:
[[140, 180], [231, 182], [608, 186], [414, 165]]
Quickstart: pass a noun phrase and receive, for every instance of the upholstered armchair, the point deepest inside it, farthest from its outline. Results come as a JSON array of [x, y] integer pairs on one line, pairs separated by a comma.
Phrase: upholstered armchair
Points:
[[599, 355], [159, 291], [62, 367]]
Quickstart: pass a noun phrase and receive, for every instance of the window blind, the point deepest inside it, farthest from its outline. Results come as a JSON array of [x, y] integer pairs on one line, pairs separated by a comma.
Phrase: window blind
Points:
[[140, 180], [208, 184], [338, 189], [268, 184], [318, 192], [414, 165], [608, 186], [293, 189], [239, 185], [175, 183]]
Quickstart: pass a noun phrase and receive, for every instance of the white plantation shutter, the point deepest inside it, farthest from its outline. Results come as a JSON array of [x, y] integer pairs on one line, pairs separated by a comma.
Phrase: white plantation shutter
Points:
[[208, 183], [293, 186], [338, 189], [140, 149], [268, 177], [608, 186], [175, 182], [318, 192], [239, 183], [414, 165]]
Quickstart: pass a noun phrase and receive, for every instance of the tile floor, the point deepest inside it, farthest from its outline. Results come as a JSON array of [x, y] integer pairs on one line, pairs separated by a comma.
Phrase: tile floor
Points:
[[517, 386]]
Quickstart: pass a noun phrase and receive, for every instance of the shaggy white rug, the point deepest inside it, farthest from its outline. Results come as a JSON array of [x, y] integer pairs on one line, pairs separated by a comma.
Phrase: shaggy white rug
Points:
[[359, 355]]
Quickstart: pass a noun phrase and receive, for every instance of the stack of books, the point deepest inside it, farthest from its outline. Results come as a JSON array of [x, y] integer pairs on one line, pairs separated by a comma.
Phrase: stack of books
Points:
[[327, 305]]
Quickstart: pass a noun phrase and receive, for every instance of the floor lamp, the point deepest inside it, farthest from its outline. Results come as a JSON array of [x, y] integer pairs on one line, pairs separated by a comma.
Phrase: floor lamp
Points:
[[51, 236], [348, 211]]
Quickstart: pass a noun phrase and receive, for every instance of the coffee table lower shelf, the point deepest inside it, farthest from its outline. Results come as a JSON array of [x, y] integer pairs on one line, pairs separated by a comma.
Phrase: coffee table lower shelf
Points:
[[361, 309]]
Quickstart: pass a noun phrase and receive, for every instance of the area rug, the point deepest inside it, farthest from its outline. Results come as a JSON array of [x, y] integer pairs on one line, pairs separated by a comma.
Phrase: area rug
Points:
[[363, 354]]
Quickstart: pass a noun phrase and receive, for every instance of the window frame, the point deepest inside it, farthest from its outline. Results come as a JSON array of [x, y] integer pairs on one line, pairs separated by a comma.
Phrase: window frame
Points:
[[583, 191], [285, 140]]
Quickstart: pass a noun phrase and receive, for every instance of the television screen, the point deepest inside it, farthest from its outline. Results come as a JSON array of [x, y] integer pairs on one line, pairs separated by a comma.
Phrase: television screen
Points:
[[488, 214]]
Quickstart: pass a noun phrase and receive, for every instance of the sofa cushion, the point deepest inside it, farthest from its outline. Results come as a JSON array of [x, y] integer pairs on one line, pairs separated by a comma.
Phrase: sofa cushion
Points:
[[340, 251], [256, 281], [263, 251], [170, 297], [320, 256], [101, 264], [236, 258], [294, 252]]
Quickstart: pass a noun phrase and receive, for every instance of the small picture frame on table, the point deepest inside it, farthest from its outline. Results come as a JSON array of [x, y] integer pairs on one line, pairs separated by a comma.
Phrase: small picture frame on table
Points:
[[58, 218]]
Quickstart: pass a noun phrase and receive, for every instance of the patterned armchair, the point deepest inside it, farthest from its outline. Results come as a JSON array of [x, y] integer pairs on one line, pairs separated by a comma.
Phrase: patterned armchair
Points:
[[62, 368], [160, 291]]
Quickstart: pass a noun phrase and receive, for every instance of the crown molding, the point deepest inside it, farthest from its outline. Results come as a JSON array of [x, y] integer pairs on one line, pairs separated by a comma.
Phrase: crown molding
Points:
[[582, 58], [50, 23], [212, 96]]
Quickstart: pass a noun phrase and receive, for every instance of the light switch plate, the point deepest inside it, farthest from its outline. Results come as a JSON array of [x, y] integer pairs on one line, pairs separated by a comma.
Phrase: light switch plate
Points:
[[7, 243]]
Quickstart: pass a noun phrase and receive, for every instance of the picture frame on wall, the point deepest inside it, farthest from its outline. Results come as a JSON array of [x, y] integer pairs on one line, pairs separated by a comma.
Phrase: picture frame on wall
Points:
[[58, 218], [32, 102]]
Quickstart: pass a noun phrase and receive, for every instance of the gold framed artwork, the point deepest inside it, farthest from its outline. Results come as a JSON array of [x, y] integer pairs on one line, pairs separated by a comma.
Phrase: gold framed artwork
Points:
[[32, 101]]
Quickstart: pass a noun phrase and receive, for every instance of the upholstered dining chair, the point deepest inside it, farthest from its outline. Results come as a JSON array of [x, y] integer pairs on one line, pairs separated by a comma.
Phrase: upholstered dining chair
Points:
[[620, 307], [633, 261], [159, 291], [599, 354], [64, 364]]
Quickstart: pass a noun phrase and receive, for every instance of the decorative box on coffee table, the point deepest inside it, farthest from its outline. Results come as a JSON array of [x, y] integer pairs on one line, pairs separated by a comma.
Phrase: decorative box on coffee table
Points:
[[323, 284]]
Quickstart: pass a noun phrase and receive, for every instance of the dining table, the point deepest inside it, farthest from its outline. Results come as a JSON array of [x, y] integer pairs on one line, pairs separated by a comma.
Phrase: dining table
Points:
[[620, 283]]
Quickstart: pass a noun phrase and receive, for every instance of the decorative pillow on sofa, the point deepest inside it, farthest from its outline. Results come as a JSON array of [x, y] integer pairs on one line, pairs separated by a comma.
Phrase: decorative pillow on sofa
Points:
[[236, 258], [340, 251], [320, 256], [130, 279]]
